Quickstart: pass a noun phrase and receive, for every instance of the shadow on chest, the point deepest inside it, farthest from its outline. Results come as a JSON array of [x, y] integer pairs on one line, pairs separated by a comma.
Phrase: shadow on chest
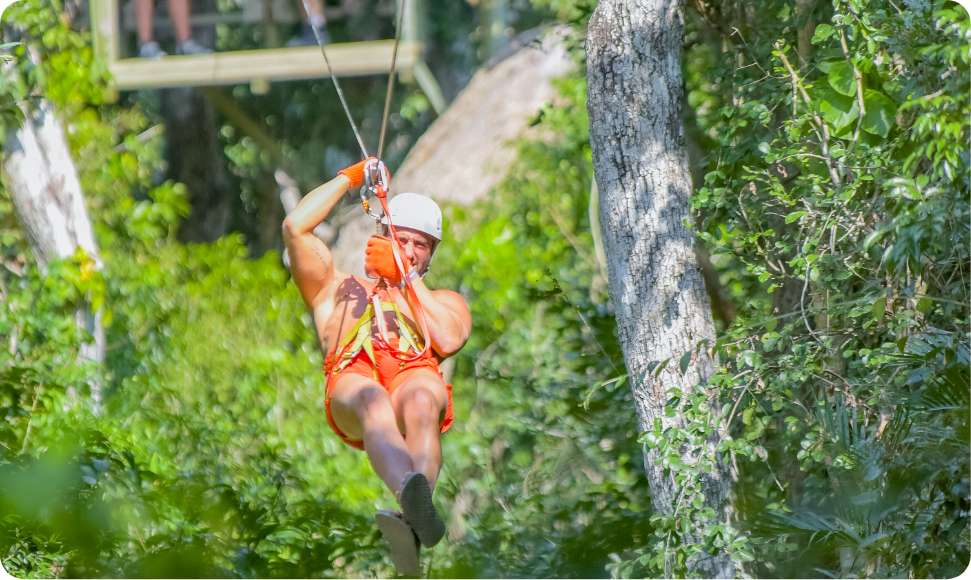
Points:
[[353, 298]]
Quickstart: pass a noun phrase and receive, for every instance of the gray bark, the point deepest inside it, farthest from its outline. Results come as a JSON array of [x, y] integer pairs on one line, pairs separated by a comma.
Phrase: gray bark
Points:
[[43, 184], [656, 287]]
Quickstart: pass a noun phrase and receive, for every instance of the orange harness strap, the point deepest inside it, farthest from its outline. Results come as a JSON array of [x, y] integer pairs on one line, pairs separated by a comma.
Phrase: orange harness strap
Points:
[[381, 192]]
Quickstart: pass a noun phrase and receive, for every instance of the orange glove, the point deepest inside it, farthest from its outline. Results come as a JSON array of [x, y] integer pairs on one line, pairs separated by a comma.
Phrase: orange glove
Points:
[[379, 261], [355, 173]]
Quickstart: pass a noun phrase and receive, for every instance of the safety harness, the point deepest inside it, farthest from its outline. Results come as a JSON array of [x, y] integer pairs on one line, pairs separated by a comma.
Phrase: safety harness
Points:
[[411, 345], [358, 338]]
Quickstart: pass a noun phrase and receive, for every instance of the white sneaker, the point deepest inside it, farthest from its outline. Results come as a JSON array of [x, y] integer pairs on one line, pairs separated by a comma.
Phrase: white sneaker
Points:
[[151, 49], [191, 47], [402, 542]]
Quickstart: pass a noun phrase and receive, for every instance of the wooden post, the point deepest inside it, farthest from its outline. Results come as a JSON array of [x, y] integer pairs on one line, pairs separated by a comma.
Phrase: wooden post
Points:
[[104, 26], [271, 35]]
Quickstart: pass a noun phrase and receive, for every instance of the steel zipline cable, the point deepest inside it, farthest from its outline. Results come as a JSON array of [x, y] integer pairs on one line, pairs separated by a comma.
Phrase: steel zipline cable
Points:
[[337, 86], [390, 90]]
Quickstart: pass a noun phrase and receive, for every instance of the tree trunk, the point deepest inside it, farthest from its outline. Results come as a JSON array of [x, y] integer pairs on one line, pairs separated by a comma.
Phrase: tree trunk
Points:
[[195, 158], [657, 290], [195, 155], [47, 197]]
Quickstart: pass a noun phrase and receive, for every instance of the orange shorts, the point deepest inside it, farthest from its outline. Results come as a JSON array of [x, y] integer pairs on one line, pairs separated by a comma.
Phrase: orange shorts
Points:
[[389, 371]]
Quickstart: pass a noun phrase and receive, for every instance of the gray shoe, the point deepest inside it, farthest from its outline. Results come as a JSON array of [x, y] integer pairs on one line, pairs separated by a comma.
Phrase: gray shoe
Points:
[[402, 541], [191, 47], [151, 49], [419, 511], [307, 38]]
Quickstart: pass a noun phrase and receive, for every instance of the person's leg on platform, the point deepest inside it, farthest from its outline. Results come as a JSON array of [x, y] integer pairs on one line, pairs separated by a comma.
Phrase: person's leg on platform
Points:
[[180, 11], [316, 11], [144, 23], [144, 19], [315, 19], [362, 410]]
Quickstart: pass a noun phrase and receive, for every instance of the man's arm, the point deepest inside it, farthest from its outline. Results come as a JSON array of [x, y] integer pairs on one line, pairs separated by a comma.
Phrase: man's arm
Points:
[[448, 317], [311, 262]]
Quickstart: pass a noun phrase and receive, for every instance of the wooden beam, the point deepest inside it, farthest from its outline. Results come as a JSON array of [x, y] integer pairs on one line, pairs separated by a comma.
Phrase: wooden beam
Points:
[[104, 27], [237, 67]]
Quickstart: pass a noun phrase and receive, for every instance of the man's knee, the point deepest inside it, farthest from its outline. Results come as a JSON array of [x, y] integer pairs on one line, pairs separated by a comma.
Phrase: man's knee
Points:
[[370, 401], [420, 402]]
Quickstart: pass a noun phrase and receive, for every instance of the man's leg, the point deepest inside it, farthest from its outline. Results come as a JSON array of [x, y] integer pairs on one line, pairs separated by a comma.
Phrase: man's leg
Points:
[[179, 11], [313, 20], [419, 397], [144, 18], [419, 401], [362, 410]]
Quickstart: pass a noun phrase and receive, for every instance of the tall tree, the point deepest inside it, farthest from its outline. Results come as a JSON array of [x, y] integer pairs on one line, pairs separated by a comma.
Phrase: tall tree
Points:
[[42, 180], [641, 166]]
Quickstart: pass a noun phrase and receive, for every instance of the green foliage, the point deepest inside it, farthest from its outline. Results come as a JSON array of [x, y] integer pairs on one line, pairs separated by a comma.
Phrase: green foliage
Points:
[[844, 385], [838, 218]]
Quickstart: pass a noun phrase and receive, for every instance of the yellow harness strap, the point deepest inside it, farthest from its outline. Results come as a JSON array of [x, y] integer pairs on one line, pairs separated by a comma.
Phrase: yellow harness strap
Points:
[[359, 336]]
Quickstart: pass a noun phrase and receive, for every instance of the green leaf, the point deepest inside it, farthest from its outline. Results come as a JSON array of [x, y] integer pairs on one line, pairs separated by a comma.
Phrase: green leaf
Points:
[[924, 305], [880, 112], [823, 33], [873, 238], [879, 307], [685, 361], [747, 415], [796, 215], [660, 367], [838, 110], [750, 358], [840, 77]]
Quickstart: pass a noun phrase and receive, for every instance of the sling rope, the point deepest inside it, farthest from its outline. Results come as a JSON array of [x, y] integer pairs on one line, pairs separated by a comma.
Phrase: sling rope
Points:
[[340, 94], [382, 194]]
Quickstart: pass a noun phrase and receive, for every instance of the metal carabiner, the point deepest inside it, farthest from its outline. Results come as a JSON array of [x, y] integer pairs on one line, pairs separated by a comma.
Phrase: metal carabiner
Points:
[[377, 179]]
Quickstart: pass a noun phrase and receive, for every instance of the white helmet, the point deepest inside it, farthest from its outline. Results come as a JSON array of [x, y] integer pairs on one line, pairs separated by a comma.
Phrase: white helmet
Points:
[[416, 211]]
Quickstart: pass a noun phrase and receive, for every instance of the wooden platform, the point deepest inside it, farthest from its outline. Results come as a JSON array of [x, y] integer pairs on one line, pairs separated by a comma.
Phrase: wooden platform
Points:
[[244, 66], [261, 66]]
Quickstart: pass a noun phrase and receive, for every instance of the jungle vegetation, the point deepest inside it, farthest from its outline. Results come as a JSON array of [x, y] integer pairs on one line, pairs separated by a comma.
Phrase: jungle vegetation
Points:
[[829, 148]]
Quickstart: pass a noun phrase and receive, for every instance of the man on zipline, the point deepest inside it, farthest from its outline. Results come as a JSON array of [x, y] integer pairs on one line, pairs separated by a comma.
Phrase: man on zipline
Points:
[[384, 391]]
